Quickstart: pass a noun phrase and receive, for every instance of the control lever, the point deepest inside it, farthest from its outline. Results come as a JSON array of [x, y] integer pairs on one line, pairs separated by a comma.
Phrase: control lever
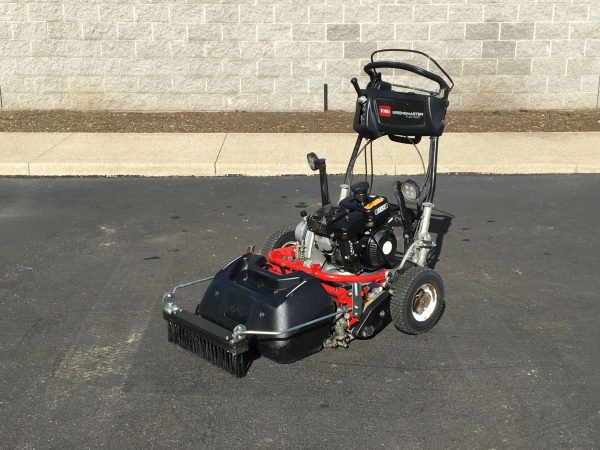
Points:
[[316, 163], [354, 82]]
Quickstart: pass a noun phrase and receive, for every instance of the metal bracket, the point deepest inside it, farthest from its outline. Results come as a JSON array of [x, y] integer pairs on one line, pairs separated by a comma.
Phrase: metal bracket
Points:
[[169, 303], [357, 300], [240, 330], [238, 333]]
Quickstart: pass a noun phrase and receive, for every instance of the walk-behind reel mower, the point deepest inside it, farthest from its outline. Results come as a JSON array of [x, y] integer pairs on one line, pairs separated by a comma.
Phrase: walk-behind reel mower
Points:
[[348, 268]]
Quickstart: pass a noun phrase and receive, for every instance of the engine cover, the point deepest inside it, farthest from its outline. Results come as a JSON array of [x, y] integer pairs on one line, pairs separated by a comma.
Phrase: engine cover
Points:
[[379, 248], [376, 209], [355, 235]]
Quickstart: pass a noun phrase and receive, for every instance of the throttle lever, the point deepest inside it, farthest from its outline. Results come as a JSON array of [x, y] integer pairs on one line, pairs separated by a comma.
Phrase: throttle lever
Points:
[[354, 82]]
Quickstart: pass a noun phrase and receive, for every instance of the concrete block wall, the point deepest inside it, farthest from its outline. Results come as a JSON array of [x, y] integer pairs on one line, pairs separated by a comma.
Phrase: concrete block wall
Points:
[[278, 54]]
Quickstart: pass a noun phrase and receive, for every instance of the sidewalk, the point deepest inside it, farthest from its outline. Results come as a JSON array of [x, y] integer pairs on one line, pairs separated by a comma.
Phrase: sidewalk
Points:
[[173, 154]]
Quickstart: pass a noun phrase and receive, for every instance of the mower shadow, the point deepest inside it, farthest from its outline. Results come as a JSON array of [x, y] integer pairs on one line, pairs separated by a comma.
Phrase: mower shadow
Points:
[[439, 226]]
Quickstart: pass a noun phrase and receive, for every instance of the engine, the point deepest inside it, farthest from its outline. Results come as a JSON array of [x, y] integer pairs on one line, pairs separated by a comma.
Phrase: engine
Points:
[[355, 235]]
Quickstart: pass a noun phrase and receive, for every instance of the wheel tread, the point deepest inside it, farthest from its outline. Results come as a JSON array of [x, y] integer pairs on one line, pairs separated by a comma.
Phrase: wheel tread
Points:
[[278, 238]]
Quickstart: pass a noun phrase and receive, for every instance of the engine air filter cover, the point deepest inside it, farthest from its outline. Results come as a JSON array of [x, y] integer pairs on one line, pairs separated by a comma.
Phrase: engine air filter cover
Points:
[[322, 221]]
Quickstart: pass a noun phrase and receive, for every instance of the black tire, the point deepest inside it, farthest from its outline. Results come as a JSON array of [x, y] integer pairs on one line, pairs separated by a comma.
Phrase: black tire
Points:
[[279, 239], [408, 314]]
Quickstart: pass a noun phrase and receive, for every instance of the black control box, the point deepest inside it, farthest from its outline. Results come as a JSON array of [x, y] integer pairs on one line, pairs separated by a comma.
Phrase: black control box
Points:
[[381, 111]]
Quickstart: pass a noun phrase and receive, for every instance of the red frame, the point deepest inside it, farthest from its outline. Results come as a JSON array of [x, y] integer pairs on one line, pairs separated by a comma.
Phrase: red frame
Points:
[[283, 261]]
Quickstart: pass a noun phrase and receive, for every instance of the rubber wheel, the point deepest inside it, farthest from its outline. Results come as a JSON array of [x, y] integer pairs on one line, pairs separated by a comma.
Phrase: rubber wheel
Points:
[[417, 302], [280, 238]]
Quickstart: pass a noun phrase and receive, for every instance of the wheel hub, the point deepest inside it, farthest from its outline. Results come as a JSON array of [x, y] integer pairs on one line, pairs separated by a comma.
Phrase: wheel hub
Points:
[[424, 302]]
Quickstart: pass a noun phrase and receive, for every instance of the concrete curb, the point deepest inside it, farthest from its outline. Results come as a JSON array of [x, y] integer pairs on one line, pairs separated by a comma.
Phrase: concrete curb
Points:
[[267, 154]]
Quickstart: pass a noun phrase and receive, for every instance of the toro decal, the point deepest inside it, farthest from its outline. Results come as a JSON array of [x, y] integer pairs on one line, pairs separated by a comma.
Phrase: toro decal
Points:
[[385, 111]]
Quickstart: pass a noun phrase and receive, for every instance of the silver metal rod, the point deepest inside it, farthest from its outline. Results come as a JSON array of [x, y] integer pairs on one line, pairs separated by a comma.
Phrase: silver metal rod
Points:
[[241, 332], [344, 192], [425, 218], [407, 254], [309, 243], [191, 283], [414, 88], [292, 291], [424, 233]]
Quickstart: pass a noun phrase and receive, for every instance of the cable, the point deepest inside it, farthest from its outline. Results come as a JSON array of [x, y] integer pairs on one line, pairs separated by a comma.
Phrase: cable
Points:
[[366, 167], [423, 189], [419, 153], [371, 152], [350, 169]]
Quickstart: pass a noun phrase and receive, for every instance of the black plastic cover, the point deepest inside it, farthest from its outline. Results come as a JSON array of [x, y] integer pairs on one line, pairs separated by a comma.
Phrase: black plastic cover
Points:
[[399, 113], [376, 209], [322, 221], [360, 187], [349, 226], [246, 293]]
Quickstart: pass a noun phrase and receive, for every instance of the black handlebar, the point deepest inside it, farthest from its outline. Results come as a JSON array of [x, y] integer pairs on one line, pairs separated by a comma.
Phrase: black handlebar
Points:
[[370, 70], [443, 83]]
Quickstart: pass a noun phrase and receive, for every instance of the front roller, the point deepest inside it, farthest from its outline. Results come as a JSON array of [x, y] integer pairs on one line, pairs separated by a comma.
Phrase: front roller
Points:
[[248, 310]]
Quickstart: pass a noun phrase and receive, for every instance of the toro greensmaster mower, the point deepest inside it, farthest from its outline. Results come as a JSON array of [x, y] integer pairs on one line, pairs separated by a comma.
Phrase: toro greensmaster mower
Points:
[[342, 273]]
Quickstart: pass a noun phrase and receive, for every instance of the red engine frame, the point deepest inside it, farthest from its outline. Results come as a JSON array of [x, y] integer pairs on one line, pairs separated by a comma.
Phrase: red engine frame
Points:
[[283, 261]]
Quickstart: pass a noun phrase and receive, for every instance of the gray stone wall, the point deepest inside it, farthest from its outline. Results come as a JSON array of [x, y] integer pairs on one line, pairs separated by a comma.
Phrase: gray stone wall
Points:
[[278, 54]]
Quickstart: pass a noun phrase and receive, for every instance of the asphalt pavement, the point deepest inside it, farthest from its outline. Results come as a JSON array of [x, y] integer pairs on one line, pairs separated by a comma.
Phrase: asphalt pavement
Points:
[[85, 362]]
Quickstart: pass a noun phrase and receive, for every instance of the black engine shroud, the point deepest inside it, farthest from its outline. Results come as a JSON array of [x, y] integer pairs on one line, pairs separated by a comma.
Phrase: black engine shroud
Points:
[[359, 231]]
